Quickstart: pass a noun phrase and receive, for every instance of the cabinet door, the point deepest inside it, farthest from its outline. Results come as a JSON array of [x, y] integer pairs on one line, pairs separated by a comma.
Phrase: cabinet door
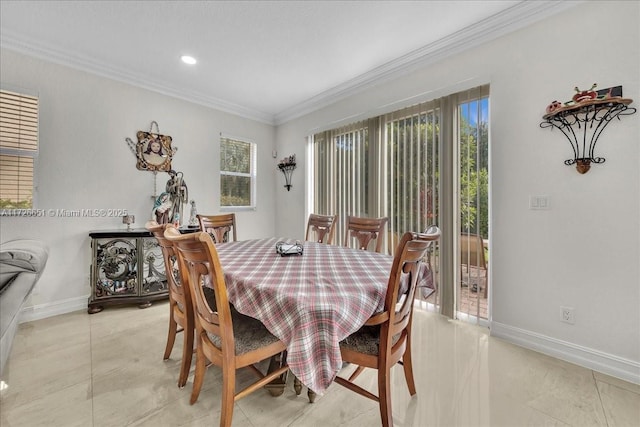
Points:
[[153, 278], [115, 268]]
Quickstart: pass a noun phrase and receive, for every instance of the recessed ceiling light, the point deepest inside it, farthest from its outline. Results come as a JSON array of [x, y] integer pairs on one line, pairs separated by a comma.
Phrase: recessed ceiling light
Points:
[[188, 59]]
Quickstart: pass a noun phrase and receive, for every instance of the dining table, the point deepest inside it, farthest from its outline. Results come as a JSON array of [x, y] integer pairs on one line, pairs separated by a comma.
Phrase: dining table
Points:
[[310, 300]]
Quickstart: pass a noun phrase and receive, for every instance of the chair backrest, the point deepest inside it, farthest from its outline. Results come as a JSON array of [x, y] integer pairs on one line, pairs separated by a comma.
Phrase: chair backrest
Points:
[[322, 227], [364, 230], [198, 256], [176, 278], [219, 226], [472, 251], [406, 269]]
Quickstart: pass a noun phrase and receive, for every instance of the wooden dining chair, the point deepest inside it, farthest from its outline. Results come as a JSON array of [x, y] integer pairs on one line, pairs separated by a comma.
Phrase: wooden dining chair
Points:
[[473, 259], [180, 305], [224, 337], [321, 228], [364, 230], [385, 339], [219, 226]]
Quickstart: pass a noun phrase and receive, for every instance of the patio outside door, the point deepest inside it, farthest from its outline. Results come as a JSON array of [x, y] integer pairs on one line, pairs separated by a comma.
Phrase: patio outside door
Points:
[[473, 285]]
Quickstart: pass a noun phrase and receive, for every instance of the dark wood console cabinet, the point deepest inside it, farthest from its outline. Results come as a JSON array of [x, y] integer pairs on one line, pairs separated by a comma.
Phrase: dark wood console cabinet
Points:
[[126, 268]]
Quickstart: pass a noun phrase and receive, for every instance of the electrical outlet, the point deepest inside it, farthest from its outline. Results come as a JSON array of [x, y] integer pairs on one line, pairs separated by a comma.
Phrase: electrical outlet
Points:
[[567, 315]]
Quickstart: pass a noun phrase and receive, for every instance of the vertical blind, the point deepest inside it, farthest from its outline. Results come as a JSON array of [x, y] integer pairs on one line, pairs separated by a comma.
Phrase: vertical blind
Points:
[[341, 184], [18, 147], [384, 166], [412, 139], [473, 166], [422, 165]]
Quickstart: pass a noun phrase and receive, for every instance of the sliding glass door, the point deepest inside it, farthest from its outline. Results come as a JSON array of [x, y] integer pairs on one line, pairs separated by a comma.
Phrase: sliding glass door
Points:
[[422, 165], [473, 204]]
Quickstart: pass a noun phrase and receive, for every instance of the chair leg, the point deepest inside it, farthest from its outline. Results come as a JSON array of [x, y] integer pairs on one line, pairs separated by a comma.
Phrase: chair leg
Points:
[[187, 355], [407, 365], [384, 395], [355, 373], [201, 367], [228, 395], [171, 337]]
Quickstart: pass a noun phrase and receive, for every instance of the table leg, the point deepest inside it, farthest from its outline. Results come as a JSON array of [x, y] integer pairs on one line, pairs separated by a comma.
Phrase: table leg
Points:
[[276, 387], [297, 386]]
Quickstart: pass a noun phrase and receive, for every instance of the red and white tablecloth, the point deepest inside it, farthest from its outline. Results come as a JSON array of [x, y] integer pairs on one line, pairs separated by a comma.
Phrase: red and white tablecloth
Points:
[[311, 302]]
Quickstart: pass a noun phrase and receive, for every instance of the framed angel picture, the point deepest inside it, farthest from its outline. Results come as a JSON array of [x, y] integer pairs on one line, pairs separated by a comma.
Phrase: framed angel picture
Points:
[[153, 152]]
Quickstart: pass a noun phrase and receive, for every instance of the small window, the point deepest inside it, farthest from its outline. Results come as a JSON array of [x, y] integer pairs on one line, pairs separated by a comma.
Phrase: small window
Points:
[[237, 173], [18, 148]]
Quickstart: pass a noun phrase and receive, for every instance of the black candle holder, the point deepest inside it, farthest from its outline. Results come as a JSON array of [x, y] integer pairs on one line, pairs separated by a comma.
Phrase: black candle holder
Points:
[[287, 166]]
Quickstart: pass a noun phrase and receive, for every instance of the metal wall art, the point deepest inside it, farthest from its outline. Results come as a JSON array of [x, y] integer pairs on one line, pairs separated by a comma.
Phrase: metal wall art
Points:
[[582, 120], [287, 166]]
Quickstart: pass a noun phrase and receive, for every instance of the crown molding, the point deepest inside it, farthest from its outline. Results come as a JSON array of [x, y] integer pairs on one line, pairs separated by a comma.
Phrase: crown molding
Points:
[[41, 50], [516, 17], [509, 20]]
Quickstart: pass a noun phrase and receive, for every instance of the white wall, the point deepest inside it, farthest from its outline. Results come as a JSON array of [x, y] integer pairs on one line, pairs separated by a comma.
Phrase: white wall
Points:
[[585, 251], [84, 162]]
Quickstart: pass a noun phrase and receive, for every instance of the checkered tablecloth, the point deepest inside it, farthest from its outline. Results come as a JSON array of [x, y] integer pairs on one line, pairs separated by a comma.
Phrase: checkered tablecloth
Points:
[[311, 302]]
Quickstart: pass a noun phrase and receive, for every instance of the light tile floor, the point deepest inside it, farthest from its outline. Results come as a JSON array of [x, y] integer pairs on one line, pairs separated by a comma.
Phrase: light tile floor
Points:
[[106, 369]]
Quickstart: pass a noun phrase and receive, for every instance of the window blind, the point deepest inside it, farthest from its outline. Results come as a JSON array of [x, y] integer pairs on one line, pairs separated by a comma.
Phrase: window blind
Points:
[[18, 147], [421, 165], [412, 138], [342, 183]]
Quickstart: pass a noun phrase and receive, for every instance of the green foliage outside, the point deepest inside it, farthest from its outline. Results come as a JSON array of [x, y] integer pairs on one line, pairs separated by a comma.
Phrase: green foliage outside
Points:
[[235, 191], [235, 180], [12, 204], [228, 200], [474, 178], [413, 153]]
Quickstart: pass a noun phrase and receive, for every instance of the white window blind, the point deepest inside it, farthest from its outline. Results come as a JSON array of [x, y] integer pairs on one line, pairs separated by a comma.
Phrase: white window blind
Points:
[[18, 148]]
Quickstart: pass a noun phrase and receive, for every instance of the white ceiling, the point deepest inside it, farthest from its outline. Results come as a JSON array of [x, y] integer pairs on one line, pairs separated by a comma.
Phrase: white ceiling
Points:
[[267, 60]]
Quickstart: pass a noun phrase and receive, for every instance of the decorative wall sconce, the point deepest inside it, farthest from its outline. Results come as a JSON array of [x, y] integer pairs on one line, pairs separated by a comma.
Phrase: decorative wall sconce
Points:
[[583, 119], [286, 166]]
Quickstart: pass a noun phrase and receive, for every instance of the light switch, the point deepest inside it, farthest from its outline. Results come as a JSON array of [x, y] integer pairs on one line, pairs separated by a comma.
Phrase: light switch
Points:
[[539, 202], [534, 203], [543, 202]]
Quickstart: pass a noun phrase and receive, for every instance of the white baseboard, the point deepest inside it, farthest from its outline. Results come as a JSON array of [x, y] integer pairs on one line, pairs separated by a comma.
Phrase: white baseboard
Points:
[[596, 360], [42, 311]]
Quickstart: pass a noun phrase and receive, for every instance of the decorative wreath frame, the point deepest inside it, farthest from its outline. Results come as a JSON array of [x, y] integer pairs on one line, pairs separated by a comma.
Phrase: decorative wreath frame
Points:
[[153, 150]]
